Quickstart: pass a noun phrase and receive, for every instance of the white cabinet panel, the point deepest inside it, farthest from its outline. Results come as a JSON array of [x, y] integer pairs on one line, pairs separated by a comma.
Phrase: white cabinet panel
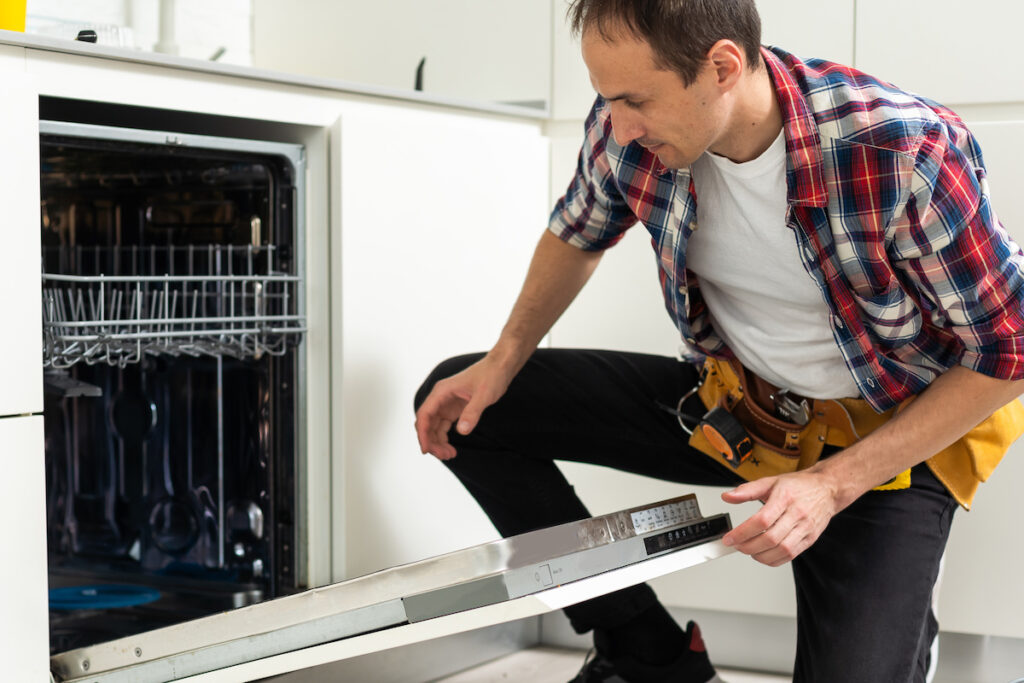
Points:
[[21, 347], [439, 216], [942, 49], [24, 630], [484, 51], [12, 58], [981, 591]]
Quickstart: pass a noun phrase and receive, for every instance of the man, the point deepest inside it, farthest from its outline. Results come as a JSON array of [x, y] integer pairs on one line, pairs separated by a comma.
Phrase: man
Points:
[[846, 255]]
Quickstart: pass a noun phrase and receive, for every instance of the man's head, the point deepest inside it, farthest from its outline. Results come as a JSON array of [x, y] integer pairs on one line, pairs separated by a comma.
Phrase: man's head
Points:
[[680, 32], [671, 70]]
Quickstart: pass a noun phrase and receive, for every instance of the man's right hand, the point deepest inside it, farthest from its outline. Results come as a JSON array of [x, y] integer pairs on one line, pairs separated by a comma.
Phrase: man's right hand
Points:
[[463, 398]]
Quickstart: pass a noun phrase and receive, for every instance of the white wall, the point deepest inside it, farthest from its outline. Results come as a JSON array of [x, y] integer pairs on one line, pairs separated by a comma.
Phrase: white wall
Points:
[[202, 27]]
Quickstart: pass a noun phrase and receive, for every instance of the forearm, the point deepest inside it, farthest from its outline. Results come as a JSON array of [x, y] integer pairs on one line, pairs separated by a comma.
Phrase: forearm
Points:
[[556, 275], [951, 406]]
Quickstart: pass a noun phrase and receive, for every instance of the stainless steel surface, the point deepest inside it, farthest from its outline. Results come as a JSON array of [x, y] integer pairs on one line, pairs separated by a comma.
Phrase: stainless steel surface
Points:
[[504, 569]]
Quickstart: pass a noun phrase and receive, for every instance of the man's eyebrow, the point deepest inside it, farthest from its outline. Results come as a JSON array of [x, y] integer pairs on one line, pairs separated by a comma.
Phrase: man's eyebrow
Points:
[[623, 96]]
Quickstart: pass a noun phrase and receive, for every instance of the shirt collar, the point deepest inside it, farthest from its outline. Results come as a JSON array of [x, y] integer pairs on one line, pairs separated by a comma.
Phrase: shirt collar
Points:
[[805, 180]]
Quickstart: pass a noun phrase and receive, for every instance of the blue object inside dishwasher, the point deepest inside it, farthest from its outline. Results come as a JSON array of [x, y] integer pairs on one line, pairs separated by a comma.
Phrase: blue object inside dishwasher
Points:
[[104, 596]]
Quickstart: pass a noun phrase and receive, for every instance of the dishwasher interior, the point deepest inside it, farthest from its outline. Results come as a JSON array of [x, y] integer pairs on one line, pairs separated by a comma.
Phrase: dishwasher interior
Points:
[[173, 318]]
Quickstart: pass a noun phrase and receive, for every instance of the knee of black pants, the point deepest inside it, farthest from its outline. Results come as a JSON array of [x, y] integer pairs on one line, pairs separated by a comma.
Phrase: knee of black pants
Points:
[[445, 369]]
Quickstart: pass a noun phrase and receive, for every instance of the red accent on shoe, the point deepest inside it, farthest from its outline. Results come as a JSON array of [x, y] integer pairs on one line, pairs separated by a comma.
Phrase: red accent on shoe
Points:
[[696, 641]]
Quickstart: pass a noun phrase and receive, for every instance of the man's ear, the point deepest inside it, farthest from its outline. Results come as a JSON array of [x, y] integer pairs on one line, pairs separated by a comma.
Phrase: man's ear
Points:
[[726, 58]]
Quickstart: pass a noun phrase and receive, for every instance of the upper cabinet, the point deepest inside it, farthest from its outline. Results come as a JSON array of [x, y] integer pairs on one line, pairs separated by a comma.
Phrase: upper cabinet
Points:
[[21, 349], [940, 49], [476, 50]]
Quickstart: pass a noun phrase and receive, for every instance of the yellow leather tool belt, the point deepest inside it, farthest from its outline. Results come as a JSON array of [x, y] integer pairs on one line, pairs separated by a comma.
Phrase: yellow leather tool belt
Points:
[[780, 446]]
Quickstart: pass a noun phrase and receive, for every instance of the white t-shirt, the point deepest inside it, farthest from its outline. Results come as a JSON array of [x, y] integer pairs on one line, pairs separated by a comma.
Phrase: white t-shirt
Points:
[[762, 301]]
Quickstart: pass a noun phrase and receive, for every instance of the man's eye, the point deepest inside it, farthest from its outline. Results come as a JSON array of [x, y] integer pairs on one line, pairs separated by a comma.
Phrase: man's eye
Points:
[[633, 104]]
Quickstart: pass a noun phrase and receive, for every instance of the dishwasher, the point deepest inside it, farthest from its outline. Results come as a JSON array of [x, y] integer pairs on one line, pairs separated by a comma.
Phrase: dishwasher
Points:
[[174, 328], [173, 321]]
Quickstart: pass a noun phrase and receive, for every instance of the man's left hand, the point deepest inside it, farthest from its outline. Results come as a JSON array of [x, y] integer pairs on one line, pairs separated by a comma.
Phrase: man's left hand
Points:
[[797, 508]]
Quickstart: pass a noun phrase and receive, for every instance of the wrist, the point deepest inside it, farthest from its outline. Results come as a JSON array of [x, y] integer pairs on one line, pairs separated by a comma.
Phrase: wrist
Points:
[[842, 483], [509, 356]]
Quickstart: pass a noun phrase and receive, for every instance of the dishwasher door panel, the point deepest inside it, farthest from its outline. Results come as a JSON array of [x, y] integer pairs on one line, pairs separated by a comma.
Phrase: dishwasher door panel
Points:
[[492, 583]]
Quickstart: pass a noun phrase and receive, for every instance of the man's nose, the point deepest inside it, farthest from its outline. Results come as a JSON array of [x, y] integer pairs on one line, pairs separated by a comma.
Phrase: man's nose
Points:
[[625, 126]]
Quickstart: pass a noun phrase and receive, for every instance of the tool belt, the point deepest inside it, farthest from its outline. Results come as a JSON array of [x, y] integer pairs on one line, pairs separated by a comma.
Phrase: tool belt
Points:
[[758, 430]]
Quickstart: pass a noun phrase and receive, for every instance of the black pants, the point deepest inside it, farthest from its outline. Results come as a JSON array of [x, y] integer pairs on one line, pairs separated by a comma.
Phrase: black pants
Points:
[[863, 590]]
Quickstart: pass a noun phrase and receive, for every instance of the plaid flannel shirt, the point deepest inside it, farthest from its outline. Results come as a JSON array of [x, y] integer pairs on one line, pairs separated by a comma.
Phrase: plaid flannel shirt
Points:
[[889, 205]]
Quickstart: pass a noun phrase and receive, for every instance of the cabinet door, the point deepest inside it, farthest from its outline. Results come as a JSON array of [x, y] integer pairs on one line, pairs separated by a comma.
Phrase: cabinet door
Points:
[[21, 343], [24, 630], [439, 214]]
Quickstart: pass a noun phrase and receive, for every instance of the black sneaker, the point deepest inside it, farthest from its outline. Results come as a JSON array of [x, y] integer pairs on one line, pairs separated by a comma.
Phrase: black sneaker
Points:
[[692, 666]]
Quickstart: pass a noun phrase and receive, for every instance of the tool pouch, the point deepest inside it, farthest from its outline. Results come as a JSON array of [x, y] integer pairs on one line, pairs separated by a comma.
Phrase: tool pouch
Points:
[[779, 446]]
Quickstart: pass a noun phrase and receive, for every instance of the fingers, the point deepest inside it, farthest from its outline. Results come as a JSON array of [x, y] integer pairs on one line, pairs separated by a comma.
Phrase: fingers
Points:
[[766, 518], [463, 397], [433, 420], [786, 551], [471, 413], [795, 513], [779, 542], [752, 490]]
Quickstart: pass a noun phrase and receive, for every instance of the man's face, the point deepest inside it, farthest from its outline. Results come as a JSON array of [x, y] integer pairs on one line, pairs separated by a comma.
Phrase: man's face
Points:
[[651, 105]]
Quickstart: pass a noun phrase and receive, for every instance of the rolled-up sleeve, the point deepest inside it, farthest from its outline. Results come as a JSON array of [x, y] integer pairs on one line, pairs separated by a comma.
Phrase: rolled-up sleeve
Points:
[[592, 215], [964, 264]]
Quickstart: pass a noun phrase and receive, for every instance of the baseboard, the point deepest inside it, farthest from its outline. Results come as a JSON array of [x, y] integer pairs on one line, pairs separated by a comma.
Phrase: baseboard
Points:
[[766, 643]]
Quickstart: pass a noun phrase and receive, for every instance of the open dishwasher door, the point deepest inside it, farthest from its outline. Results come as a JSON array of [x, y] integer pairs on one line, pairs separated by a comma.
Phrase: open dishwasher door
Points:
[[505, 580]]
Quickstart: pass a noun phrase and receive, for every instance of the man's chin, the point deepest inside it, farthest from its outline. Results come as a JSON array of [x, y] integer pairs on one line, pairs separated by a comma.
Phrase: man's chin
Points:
[[671, 159]]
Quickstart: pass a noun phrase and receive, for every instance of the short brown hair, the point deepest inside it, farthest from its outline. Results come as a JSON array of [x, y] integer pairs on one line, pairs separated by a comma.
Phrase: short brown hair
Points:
[[680, 32]]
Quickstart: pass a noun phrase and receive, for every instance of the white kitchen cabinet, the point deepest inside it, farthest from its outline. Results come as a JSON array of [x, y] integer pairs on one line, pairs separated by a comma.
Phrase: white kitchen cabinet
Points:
[[483, 50], [944, 49], [439, 214], [21, 352], [24, 629]]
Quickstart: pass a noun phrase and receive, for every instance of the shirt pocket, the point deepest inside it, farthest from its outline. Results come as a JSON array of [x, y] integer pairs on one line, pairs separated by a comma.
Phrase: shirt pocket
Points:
[[891, 314]]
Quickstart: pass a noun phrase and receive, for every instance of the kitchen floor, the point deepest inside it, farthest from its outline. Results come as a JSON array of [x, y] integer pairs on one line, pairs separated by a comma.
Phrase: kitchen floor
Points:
[[555, 665]]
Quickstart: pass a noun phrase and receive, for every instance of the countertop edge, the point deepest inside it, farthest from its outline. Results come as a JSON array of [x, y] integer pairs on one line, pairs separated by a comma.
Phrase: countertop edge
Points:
[[45, 43]]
